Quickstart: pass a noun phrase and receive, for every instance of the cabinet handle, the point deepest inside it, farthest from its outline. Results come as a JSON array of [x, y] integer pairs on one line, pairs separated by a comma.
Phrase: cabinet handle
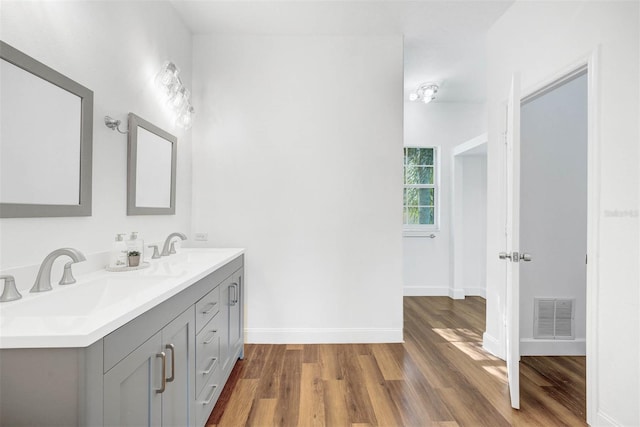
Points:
[[210, 398], [163, 356], [234, 300], [213, 362], [213, 335], [210, 309], [173, 362]]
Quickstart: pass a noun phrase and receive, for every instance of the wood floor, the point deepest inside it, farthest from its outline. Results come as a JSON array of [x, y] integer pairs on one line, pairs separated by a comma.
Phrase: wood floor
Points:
[[440, 376]]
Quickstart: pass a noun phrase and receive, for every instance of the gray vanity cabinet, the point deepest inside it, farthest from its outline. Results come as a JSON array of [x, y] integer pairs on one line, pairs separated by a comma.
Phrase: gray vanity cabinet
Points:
[[139, 392], [116, 381]]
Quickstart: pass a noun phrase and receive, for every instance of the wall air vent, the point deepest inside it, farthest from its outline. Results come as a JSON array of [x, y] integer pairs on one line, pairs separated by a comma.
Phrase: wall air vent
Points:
[[554, 319]]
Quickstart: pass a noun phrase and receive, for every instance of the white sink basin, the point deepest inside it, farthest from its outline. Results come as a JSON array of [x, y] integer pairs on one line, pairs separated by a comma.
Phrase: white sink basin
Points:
[[83, 298]]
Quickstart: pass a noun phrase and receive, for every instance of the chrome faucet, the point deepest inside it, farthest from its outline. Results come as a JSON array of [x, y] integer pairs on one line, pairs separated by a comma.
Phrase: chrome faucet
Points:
[[43, 281], [168, 247], [9, 293]]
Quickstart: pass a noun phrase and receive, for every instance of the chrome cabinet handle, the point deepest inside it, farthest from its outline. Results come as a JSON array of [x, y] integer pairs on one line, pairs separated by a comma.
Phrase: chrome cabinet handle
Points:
[[234, 300], [163, 356], [210, 398], [213, 335], [211, 365], [207, 311], [173, 362]]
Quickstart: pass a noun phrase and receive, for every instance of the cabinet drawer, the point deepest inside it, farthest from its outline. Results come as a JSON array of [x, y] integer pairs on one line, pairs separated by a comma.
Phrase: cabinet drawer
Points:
[[207, 353], [206, 400], [207, 307]]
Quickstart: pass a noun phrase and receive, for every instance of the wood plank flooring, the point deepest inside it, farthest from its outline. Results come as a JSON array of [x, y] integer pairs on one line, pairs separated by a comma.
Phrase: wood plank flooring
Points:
[[440, 376]]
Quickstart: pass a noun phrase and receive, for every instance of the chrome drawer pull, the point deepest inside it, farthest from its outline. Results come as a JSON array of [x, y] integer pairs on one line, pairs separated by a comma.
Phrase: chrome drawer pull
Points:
[[210, 398], [163, 356], [211, 365], [210, 309], [213, 335]]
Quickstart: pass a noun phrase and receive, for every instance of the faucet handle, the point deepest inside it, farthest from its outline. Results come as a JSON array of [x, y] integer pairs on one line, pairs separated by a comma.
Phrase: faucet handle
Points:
[[10, 292], [67, 276], [156, 251]]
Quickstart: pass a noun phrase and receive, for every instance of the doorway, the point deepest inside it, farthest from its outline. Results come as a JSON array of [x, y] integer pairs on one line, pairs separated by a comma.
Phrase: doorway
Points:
[[553, 218], [469, 218], [562, 311]]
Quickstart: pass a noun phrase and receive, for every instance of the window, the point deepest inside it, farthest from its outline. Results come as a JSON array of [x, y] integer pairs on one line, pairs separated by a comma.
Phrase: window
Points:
[[420, 209]]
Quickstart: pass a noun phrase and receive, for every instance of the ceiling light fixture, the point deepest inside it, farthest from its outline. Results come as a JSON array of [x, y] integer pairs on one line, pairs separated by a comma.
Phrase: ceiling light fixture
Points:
[[426, 93]]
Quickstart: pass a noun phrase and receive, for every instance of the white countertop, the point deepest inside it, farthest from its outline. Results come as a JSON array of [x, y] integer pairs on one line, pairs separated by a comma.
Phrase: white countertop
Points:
[[100, 302]]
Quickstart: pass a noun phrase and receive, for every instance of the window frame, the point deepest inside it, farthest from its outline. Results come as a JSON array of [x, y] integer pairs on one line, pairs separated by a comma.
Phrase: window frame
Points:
[[424, 230]]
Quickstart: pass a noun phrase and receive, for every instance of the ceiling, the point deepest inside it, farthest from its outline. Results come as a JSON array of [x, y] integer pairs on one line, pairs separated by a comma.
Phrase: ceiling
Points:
[[444, 40]]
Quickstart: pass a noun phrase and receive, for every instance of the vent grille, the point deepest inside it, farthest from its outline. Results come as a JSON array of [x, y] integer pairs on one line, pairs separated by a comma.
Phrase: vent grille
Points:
[[554, 318]]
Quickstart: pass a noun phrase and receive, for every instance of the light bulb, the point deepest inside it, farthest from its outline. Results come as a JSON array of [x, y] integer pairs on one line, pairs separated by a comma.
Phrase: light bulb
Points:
[[178, 101], [185, 119], [413, 97], [167, 77]]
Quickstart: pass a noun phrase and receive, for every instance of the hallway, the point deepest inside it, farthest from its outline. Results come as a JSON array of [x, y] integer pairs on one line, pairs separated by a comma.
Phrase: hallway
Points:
[[440, 376]]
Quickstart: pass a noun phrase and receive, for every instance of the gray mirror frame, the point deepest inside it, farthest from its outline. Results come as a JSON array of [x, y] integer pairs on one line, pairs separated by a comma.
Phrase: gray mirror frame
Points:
[[135, 122], [83, 208]]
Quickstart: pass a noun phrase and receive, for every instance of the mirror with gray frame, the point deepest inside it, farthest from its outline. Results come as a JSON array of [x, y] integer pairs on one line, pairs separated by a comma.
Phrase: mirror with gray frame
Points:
[[45, 140], [151, 169]]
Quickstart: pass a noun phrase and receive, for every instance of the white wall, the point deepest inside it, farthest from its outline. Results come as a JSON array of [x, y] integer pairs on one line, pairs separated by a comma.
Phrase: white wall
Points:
[[553, 210], [427, 265], [540, 40], [114, 51], [300, 161]]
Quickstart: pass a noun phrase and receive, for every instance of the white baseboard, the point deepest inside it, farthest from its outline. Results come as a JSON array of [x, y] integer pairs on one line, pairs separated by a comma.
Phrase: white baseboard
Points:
[[476, 292], [443, 291], [492, 345], [456, 293], [536, 347], [322, 335], [605, 420], [426, 291]]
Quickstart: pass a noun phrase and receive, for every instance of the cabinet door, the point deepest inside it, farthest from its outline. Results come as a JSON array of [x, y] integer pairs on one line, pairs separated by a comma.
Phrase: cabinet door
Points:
[[236, 304], [225, 299], [178, 342], [131, 388]]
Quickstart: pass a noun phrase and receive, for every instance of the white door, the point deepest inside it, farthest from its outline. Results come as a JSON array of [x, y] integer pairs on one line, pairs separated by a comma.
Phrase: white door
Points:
[[511, 254]]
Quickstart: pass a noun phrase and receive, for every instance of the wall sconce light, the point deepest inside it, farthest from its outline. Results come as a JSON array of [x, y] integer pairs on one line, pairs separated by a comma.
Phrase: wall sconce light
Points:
[[175, 94], [426, 93]]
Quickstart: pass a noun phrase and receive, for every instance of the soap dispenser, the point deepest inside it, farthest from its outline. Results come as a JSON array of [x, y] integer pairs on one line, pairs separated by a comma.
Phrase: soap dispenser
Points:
[[118, 258]]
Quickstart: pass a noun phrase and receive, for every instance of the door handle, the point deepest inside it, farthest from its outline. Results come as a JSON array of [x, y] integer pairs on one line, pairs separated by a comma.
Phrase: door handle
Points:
[[172, 348], [515, 256], [163, 356], [525, 257], [234, 300], [504, 255]]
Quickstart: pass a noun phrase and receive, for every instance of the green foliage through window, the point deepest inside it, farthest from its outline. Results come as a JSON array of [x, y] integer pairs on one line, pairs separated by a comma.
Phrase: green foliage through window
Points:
[[419, 199]]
